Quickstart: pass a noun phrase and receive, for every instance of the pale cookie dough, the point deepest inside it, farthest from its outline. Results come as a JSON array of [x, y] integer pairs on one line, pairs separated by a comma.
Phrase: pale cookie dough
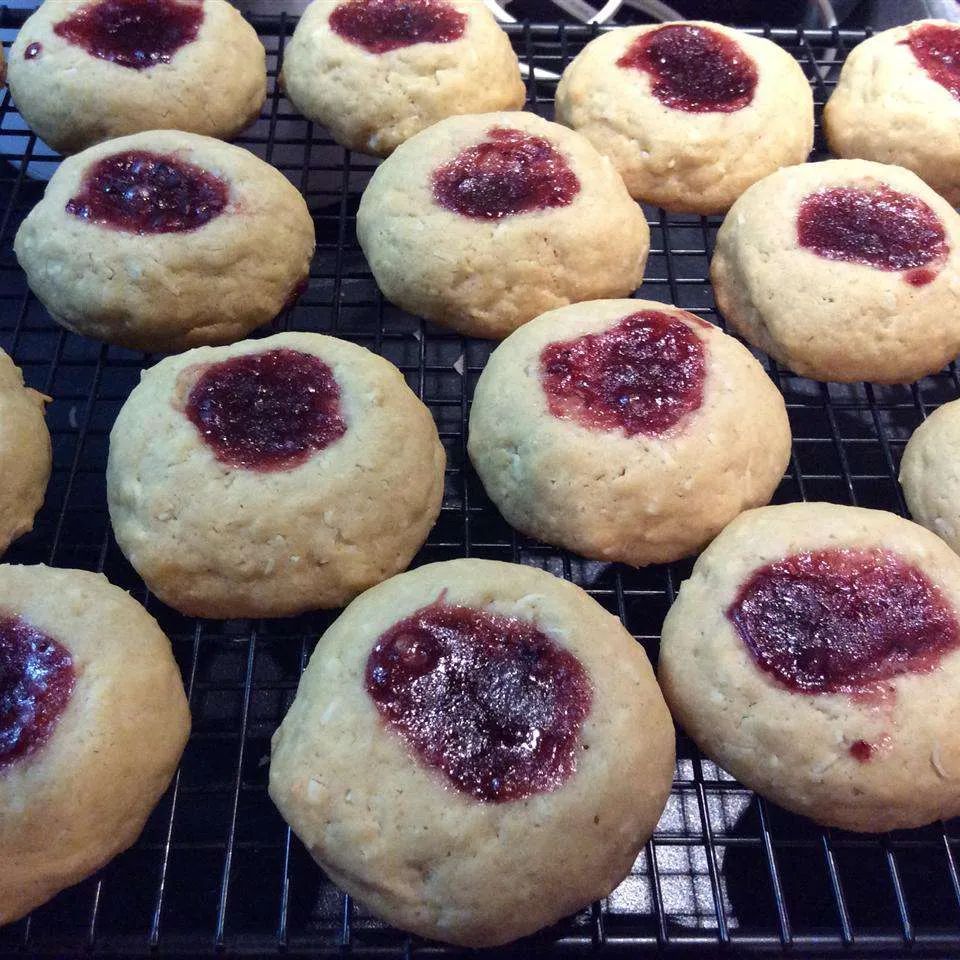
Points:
[[372, 101], [833, 319], [74, 799], [211, 283], [213, 85], [930, 473], [697, 162], [486, 277], [219, 537], [25, 454], [879, 753], [612, 492], [887, 107], [410, 843]]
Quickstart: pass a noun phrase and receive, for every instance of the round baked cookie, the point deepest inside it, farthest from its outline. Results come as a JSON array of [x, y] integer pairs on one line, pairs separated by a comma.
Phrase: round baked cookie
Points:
[[166, 240], [484, 222], [814, 653], [375, 72], [82, 71], [844, 270], [93, 720], [273, 476], [898, 101], [476, 750], [626, 430], [25, 454], [930, 473], [690, 113]]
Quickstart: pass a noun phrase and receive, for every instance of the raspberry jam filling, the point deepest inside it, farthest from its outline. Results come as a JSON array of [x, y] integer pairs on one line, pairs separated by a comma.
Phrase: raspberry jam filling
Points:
[[937, 49], [694, 68], [383, 25], [36, 681], [643, 375], [133, 33], [267, 411], [141, 192], [842, 620], [879, 227], [489, 700], [33, 51], [509, 172]]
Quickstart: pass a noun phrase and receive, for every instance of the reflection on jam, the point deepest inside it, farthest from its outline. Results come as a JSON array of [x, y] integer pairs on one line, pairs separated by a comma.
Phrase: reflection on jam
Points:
[[879, 227], [509, 172], [489, 700], [133, 33], [33, 51], [36, 681], [643, 375], [694, 68], [842, 620], [937, 49], [383, 25], [141, 192], [267, 411]]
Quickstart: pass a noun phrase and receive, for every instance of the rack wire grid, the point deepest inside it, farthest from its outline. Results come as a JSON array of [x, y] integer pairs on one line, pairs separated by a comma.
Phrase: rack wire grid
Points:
[[216, 869]]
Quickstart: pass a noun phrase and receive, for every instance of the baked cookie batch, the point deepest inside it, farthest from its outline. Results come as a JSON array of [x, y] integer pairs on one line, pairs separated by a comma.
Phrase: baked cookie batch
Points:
[[478, 749]]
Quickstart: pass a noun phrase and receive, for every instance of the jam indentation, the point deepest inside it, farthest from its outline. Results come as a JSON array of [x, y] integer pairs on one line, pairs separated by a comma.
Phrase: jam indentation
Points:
[[694, 68], [937, 49], [509, 172], [33, 51], [36, 681], [489, 700], [383, 25], [842, 620], [143, 192], [133, 33], [643, 375], [267, 411], [876, 226]]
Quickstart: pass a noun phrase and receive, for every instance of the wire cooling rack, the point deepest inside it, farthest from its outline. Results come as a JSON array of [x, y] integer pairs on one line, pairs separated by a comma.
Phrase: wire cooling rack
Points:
[[216, 869]]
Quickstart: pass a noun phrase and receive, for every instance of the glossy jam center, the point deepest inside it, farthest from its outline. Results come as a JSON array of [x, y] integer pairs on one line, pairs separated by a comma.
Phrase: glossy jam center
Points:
[[841, 620], [140, 192], [937, 50], [267, 411], [383, 25], [489, 700], [133, 33], [36, 681], [879, 227], [642, 375], [694, 68], [509, 172]]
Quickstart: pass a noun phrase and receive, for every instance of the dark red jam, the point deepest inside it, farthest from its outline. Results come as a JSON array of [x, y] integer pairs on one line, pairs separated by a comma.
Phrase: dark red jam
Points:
[[33, 51], [267, 411], [861, 751], [937, 49], [643, 375], [509, 172], [489, 700], [140, 192], [842, 620], [36, 681], [694, 68], [383, 25], [133, 33], [879, 227]]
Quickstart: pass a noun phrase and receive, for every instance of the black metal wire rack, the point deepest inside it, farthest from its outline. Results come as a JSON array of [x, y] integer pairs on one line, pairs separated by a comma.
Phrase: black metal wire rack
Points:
[[216, 869]]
